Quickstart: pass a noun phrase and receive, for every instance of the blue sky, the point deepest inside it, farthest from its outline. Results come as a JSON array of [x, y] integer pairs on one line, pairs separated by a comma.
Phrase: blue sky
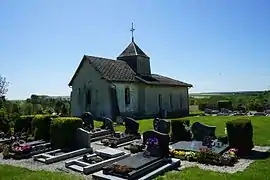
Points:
[[216, 45]]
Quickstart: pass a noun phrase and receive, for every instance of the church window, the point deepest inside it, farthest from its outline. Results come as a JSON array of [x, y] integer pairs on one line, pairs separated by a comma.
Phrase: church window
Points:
[[181, 101], [89, 96], [160, 101], [171, 103], [127, 96]]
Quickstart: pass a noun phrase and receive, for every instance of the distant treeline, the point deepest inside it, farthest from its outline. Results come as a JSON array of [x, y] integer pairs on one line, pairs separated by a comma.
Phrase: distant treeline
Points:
[[249, 100]]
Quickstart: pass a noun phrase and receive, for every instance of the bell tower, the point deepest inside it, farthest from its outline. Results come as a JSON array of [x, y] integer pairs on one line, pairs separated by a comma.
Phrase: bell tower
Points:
[[135, 57]]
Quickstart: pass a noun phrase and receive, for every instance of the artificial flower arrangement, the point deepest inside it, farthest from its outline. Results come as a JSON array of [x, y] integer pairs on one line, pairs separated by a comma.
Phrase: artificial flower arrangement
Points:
[[152, 141], [206, 156]]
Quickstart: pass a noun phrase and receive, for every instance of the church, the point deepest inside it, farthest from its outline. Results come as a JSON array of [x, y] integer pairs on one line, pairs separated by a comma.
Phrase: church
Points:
[[125, 86]]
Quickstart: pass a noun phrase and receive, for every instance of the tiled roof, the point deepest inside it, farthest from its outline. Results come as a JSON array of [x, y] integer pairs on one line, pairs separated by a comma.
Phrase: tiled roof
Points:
[[120, 71], [132, 50], [112, 70]]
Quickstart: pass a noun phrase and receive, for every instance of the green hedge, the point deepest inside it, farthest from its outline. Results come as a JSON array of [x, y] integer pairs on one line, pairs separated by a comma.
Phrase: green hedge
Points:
[[23, 123], [63, 130], [240, 135], [41, 126], [179, 132]]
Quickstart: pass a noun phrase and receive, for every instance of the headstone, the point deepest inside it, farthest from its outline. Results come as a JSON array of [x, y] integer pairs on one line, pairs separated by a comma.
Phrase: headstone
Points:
[[200, 131], [132, 126], [156, 123], [107, 124], [164, 126], [88, 120], [83, 139], [157, 144]]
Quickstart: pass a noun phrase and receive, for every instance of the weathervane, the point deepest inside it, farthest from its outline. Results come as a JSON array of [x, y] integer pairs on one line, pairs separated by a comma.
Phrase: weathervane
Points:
[[132, 30]]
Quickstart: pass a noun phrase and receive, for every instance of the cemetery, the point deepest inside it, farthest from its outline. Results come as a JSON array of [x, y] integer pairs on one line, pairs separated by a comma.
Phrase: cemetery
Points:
[[106, 130], [134, 151], [130, 134]]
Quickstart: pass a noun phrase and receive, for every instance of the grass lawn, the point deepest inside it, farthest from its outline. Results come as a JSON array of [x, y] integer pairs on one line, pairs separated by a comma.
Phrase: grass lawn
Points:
[[259, 170]]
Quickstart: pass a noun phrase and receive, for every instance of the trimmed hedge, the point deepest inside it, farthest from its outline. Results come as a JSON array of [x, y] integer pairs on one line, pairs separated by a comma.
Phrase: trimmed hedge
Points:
[[179, 131], [23, 123], [240, 135], [63, 132], [41, 126]]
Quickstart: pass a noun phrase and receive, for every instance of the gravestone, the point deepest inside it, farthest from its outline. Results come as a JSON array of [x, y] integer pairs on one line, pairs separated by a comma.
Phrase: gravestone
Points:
[[107, 124], [156, 123], [157, 144], [88, 120], [132, 126], [162, 125], [83, 139], [200, 131]]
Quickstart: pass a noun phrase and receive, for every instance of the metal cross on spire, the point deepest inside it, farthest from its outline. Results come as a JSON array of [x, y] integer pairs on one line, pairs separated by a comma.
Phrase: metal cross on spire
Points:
[[132, 31]]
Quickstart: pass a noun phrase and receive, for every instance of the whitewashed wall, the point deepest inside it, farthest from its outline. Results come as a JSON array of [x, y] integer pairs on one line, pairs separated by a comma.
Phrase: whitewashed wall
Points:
[[120, 89], [87, 78]]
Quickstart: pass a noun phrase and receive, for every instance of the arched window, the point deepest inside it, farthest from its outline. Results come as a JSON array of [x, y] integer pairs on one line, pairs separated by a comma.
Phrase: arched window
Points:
[[171, 103], [127, 96], [160, 101], [181, 101], [89, 96]]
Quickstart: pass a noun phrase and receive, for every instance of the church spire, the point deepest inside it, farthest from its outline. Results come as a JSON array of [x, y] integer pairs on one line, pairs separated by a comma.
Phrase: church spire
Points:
[[132, 32]]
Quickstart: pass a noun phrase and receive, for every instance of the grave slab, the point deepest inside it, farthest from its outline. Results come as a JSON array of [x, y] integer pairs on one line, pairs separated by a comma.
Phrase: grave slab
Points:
[[196, 145], [108, 154], [49, 158], [169, 166]]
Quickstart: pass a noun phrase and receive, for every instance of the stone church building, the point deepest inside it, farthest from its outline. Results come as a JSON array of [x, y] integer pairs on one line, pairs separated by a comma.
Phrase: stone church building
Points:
[[125, 86]]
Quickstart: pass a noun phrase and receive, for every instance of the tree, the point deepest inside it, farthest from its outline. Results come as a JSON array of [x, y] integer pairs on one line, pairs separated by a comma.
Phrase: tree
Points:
[[3, 86]]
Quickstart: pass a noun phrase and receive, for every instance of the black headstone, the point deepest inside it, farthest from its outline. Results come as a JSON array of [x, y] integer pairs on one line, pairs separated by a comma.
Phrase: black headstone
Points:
[[164, 126], [132, 126], [88, 120], [157, 144], [156, 123], [107, 124], [200, 131]]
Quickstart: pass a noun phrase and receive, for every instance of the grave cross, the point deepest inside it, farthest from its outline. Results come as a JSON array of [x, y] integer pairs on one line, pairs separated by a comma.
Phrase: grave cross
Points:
[[132, 31]]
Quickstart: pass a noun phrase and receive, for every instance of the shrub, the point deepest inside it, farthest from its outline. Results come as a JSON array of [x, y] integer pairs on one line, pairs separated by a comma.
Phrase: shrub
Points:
[[225, 104], [63, 130], [4, 121], [23, 123], [240, 135], [41, 126], [180, 130]]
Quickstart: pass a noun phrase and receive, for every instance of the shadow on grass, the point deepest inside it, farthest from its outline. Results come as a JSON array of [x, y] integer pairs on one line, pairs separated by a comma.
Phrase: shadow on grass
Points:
[[257, 155]]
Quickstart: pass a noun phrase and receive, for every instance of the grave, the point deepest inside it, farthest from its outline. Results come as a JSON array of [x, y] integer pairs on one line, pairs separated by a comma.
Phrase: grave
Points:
[[83, 145], [26, 150], [96, 161], [200, 131], [162, 125], [131, 133], [195, 146], [144, 165], [102, 132]]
